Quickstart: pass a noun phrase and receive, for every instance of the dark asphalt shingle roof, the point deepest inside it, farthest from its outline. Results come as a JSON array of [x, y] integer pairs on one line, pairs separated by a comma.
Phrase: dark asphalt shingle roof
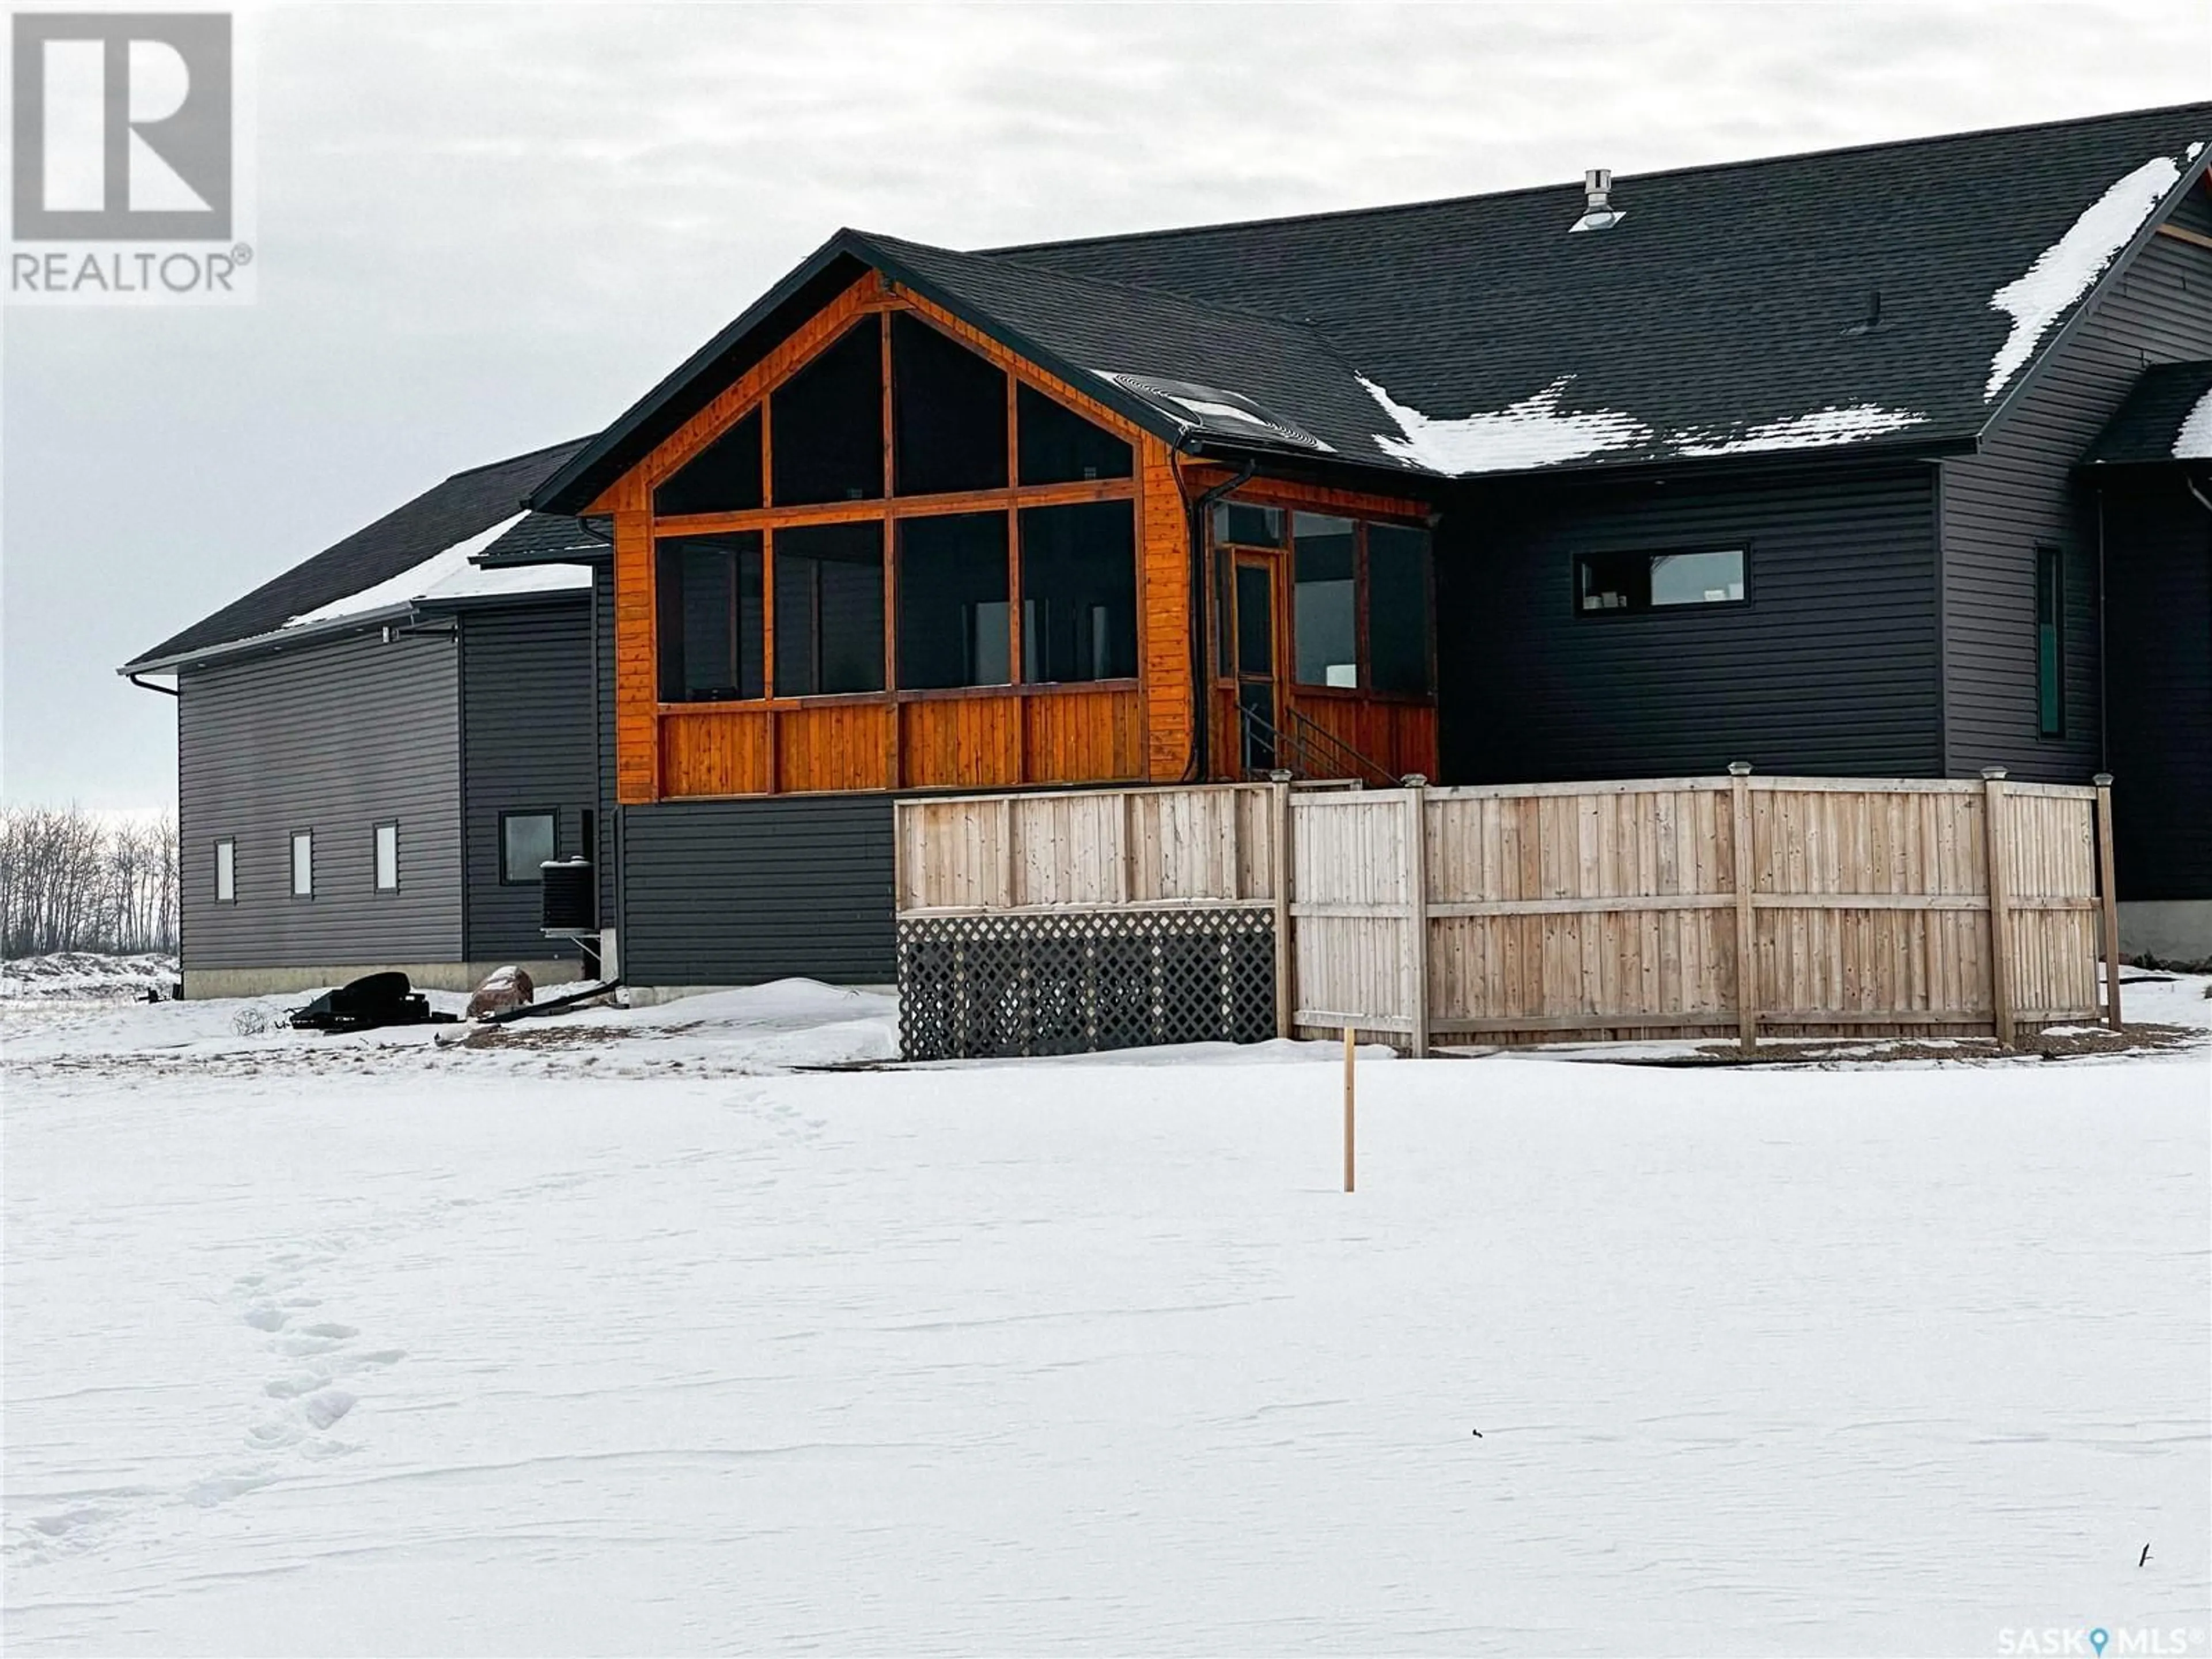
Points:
[[1725, 313], [2147, 425], [467, 504]]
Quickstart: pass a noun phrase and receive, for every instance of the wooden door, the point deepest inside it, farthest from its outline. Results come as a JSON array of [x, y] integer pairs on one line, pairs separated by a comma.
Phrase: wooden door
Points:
[[1256, 635]]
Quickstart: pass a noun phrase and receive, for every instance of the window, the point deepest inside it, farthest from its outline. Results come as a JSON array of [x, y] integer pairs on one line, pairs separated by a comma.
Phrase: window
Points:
[[1652, 581], [1397, 608], [303, 863], [826, 424], [387, 858], [1079, 591], [226, 871], [709, 595], [526, 841], [829, 609], [723, 478], [1058, 446], [1323, 559], [953, 626], [1247, 525], [2050, 643], [949, 413]]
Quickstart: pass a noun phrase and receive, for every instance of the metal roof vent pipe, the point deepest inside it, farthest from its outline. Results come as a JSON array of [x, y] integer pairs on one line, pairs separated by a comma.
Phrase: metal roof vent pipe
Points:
[[1598, 212]]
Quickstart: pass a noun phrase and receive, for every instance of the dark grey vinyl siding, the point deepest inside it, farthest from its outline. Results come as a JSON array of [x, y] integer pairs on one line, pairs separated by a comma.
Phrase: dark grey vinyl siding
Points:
[[733, 892], [527, 701], [2020, 492], [1830, 668], [2157, 588], [603, 661], [336, 738]]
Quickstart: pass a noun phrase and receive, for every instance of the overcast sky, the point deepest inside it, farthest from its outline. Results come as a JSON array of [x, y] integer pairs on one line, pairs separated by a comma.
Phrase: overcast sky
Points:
[[486, 229]]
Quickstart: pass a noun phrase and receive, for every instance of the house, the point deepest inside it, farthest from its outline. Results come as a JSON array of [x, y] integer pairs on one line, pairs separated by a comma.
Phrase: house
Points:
[[1792, 461], [377, 748]]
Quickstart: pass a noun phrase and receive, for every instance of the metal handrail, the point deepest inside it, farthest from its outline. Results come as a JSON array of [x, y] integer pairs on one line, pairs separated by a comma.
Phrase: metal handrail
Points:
[[1282, 743]]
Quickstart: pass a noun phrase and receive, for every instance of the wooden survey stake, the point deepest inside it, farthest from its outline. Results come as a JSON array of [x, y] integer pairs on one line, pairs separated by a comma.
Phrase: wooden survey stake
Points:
[[1347, 1108]]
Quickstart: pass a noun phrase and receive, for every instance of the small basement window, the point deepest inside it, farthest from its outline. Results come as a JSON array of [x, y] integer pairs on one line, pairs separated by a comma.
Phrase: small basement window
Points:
[[2050, 643], [948, 413], [723, 478], [953, 623], [1058, 446], [1655, 581], [387, 858], [525, 841], [303, 863], [826, 424], [226, 871], [710, 624], [1324, 561], [829, 609], [1079, 591]]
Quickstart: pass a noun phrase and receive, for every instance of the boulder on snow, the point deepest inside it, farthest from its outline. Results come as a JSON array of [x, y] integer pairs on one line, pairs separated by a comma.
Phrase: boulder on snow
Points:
[[503, 988]]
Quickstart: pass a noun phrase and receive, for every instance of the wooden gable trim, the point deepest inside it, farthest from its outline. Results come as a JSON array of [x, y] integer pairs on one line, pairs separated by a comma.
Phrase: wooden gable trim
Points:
[[1286, 492]]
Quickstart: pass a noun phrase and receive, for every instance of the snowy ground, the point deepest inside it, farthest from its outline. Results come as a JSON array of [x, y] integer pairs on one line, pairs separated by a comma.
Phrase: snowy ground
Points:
[[615, 1334]]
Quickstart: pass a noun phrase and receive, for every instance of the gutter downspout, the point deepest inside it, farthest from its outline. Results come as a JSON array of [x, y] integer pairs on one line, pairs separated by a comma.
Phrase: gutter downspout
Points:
[[1198, 607], [148, 685]]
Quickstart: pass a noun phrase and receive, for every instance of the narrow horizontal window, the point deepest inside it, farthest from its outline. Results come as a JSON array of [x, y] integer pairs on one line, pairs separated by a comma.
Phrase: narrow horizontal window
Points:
[[1079, 591], [303, 863], [1397, 608], [1656, 581], [948, 412], [711, 620], [954, 625], [723, 478], [1324, 561], [826, 424], [829, 609], [525, 841], [1058, 446], [226, 871], [387, 858], [2050, 643]]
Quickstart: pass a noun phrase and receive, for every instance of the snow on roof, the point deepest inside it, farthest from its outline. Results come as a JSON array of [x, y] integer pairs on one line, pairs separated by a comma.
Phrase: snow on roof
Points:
[[1836, 424], [1534, 432], [450, 573], [2063, 272], [2194, 442]]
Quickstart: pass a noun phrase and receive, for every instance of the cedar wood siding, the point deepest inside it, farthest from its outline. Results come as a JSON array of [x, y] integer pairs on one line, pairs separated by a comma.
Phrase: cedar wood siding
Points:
[[736, 891], [334, 737], [1831, 668], [2020, 492], [527, 724], [2158, 587]]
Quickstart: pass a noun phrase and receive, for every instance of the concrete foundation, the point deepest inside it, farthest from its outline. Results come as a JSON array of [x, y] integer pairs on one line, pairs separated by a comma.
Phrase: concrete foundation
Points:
[[202, 982], [2175, 931]]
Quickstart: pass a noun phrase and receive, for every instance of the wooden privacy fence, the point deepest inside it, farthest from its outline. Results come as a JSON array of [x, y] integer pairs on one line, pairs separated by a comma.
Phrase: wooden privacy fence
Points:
[[1697, 906]]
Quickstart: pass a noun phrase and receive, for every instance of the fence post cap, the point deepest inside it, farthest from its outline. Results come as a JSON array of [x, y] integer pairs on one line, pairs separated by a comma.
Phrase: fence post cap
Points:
[[1994, 774], [1415, 780], [1279, 774], [2103, 780], [1739, 769]]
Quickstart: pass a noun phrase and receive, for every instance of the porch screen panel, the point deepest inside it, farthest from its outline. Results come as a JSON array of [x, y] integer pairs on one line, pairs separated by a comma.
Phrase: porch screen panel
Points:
[[826, 424], [1324, 559], [1079, 592], [1058, 446], [710, 618], [954, 625], [828, 609], [1397, 608], [949, 413]]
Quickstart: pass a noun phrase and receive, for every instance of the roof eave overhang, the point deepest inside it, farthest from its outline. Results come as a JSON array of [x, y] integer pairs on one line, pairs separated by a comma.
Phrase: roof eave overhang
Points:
[[276, 639], [2048, 351]]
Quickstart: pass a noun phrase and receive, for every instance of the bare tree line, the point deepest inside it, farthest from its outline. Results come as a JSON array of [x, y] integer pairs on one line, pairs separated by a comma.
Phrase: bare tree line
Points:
[[70, 881]]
